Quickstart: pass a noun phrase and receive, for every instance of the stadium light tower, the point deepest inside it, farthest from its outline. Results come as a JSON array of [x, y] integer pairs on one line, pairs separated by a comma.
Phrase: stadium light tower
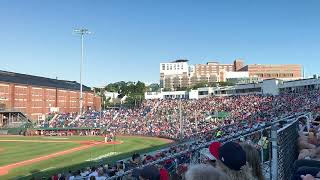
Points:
[[81, 32]]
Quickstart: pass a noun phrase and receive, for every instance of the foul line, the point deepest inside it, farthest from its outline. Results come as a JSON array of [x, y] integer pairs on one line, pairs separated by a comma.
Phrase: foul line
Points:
[[5, 169]]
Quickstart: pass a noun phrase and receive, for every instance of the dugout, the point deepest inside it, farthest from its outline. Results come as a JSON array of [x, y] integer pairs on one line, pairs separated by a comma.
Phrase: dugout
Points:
[[13, 119], [82, 131]]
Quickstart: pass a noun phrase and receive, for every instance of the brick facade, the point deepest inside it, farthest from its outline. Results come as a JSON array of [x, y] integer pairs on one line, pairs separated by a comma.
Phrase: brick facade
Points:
[[265, 71], [36, 101]]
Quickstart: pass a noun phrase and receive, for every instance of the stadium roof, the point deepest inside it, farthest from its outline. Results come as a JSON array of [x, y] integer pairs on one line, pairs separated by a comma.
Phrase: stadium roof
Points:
[[17, 78]]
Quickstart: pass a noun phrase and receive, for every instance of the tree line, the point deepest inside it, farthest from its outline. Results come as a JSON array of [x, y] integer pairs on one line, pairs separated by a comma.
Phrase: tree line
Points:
[[135, 91]]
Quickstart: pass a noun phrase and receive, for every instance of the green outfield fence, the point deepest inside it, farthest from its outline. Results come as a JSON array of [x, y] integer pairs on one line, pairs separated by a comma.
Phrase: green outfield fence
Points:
[[13, 131]]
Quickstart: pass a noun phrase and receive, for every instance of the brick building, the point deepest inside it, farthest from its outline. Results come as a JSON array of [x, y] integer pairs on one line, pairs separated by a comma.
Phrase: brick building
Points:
[[37, 96], [179, 73], [278, 71]]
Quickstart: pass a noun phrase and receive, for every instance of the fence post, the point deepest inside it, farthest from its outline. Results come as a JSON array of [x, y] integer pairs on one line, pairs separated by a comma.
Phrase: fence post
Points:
[[274, 148], [309, 119], [261, 148]]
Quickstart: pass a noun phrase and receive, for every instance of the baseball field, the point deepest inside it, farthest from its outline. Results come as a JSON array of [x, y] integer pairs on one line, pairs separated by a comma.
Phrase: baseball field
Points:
[[24, 157]]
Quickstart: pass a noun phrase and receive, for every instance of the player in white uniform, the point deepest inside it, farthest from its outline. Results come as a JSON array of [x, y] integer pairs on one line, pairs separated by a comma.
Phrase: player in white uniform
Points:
[[106, 138]]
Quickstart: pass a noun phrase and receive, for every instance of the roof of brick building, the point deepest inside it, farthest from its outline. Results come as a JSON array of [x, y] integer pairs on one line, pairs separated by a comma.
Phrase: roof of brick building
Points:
[[25, 79]]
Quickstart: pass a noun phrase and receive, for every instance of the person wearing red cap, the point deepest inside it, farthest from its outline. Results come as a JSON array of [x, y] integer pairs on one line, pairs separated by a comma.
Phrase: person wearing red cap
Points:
[[214, 149], [231, 159]]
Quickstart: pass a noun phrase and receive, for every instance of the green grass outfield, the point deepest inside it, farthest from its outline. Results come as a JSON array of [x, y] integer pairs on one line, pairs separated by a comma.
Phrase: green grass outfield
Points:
[[13, 152]]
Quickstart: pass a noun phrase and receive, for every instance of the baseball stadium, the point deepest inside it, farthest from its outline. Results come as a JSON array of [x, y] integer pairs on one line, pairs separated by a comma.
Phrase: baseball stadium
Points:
[[34, 147], [44, 135], [159, 90]]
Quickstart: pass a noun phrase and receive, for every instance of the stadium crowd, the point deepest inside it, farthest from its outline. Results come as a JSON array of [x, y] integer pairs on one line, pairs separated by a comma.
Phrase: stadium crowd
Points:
[[231, 160], [162, 118], [234, 160]]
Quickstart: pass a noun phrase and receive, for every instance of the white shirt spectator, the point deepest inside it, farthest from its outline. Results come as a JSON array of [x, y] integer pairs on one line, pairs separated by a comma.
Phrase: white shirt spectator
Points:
[[95, 173]]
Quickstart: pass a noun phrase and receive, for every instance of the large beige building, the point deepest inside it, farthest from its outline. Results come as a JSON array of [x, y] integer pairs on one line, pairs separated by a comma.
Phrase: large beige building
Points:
[[269, 71], [179, 74]]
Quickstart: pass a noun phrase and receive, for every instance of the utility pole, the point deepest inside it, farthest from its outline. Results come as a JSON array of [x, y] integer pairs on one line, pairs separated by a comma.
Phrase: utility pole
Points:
[[81, 32]]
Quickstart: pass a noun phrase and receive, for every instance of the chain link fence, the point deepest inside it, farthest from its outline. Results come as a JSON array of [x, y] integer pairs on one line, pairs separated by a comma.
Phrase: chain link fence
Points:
[[287, 138], [285, 146]]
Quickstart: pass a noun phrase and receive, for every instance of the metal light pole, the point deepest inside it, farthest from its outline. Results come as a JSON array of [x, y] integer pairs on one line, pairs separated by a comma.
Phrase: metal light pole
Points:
[[81, 32], [100, 105]]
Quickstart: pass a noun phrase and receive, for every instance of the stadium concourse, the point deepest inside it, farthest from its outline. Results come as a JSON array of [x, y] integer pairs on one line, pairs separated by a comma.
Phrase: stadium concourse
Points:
[[195, 122]]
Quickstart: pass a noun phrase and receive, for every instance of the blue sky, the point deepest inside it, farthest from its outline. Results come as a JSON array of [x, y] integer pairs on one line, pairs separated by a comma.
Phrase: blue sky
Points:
[[132, 37]]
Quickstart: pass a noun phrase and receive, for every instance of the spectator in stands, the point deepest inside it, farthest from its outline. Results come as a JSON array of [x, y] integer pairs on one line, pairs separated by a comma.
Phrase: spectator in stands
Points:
[[147, 173], [164, 173], [135, 161], [85, 172], [120, 169], [263, 144], [307, 144], [77, 175], [253, 160], [93, 172], [211, 154], [207, 157], [71, 176], [55, 177], [204, 172], [232, 161], [308, 164], [63, 177], [68, 175], [101, 175], [308, 177]]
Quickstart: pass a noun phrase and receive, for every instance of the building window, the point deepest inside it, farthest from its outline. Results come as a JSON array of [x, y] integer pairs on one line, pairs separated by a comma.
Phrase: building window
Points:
[[175, 67], [163, 67], [167, 66], [170, 66]]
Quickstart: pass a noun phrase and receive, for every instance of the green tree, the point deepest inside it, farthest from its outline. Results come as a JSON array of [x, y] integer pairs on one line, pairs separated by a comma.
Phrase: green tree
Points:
[[133, 91], [166, 89], [153, 87], [199, 85], [182, 89], [226, 83]]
